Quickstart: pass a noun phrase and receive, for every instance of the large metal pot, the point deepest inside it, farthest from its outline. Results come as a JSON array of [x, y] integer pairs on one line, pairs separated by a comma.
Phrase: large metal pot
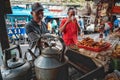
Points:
[[15, 68], [52, 63]]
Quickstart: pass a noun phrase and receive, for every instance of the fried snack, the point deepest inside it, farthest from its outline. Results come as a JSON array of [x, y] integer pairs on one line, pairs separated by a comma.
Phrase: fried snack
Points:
[[89, 42]]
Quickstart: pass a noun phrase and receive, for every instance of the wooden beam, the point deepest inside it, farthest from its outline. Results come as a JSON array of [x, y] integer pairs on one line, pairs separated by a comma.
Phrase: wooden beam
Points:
[[3, 31]]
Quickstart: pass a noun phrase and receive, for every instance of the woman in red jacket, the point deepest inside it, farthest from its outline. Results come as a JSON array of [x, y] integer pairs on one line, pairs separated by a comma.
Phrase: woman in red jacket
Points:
[[70, 28]]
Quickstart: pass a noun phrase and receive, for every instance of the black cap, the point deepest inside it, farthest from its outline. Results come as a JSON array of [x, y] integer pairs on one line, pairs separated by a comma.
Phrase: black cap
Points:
[[37, 7]]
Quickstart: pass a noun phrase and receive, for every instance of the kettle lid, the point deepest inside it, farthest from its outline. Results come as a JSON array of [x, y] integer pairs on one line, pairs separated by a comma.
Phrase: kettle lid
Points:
[[14, 63]]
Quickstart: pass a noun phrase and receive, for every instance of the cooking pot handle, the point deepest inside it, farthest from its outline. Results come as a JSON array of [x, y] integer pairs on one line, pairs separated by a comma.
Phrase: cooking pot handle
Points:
[[7, 51]]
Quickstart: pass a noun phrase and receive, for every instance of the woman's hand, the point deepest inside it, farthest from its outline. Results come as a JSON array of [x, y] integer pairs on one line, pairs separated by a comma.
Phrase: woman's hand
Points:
[[68, 20]]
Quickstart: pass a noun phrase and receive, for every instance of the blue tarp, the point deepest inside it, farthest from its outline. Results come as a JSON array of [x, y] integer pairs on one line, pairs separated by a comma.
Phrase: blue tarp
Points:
[[19, 11]]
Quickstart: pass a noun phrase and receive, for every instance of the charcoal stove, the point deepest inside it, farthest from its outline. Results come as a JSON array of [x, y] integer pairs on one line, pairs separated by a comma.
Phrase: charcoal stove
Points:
[[83, 68]]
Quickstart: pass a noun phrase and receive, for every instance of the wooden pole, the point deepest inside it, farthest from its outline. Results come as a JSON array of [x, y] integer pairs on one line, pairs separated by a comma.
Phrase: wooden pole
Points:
[[3, 30]]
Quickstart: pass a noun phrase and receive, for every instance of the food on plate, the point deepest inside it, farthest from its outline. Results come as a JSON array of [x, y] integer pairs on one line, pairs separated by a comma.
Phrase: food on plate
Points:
[[89, 42]]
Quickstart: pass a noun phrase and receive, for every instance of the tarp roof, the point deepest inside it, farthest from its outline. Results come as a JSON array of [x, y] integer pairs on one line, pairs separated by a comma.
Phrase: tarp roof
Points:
[[19, 11]]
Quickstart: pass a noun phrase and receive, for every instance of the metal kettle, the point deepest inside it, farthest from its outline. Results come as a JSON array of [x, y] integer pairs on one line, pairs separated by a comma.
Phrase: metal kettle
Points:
[[52, 63], [15, 68]]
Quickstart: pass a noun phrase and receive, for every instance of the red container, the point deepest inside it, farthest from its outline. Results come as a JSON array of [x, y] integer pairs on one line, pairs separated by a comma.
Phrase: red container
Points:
[[95, 49], [116, 9]]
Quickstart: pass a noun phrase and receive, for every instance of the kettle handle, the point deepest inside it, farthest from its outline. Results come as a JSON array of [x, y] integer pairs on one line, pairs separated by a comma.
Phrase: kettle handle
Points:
[[7, 51], [31, 53], [57, 37], [63, 50]]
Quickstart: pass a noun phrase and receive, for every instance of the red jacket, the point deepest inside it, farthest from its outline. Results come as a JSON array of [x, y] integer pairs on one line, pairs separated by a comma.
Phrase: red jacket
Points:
[[70, 33]]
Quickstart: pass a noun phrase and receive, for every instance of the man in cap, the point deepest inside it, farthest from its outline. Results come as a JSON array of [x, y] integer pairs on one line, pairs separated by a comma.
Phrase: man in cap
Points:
[[36, 27]]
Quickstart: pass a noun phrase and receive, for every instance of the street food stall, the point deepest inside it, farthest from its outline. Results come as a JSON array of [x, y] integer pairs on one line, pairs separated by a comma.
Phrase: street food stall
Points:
[[98, 57], [93, 59], [89, 59]]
